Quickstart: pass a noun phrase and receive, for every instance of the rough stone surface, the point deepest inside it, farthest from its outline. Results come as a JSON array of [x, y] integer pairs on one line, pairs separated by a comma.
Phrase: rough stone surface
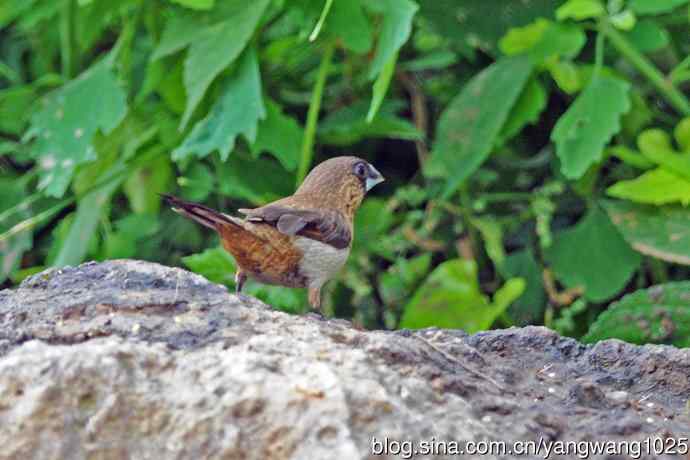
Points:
[[129, 359]]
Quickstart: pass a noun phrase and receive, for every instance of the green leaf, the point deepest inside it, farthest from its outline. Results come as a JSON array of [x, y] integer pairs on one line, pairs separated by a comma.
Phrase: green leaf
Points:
[[435, 60], [580, 9], [237, 111], [63, 135], [15, 103], [395, 30], [197, 183], [381, 87], [348, 22], [180, 30], [594, 256], [682, 134], [138, 226], [492, 234], [275, 181], [658, 186], [526, 110], [348, 125], [215, 264], [196, 4], [586, 127], [371, 223], [566, 75], [469, 126], [480, 24], [655, 6], [143, 186], [279, 134], [217, 47], [544, 41], [529, 307], [657, 231], [625, 20], [88, 214], [521, 39], [660, 314], [655, 145], [450, 298], [630, 157], [397, 283]]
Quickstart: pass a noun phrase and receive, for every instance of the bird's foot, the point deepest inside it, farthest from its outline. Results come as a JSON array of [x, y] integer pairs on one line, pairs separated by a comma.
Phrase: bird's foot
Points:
[[244, 298], [316, 315]]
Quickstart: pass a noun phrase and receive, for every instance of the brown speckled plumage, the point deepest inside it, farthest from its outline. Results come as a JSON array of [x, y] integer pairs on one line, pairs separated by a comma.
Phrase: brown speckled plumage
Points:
[[298, 241]]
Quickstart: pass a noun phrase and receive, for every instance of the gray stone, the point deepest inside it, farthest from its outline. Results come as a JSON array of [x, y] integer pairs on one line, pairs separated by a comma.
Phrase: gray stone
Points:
[[129, 359]]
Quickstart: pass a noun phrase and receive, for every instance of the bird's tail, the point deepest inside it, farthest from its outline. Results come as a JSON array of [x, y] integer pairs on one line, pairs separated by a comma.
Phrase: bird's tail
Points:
[[201, 214]]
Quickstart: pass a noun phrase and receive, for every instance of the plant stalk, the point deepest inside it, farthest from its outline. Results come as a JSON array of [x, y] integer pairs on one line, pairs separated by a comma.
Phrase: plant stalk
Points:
[[68, 51], [674, 97], [313, 113]]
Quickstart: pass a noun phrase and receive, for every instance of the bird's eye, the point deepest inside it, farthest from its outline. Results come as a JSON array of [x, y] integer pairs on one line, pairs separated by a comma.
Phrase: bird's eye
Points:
[[361, 170]]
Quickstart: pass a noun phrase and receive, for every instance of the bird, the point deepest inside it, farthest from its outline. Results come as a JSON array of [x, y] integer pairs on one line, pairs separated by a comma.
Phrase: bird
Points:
[[300, 241]]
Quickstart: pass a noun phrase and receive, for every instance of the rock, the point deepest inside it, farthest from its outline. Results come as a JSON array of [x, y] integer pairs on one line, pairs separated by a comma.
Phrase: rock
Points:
[[129, 359]]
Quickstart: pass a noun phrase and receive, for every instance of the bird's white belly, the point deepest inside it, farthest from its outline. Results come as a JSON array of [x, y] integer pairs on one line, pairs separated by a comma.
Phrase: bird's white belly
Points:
[[320, 262]]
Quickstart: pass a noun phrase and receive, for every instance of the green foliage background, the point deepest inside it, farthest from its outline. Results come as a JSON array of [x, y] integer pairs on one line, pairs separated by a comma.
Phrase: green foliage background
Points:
[[537, 152]]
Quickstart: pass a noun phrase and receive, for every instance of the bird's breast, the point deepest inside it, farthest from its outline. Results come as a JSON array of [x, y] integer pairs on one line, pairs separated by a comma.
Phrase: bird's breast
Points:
[[320, 261]]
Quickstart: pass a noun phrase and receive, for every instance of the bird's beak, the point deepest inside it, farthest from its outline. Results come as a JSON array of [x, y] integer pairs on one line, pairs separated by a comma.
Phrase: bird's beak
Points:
[[373, 178]]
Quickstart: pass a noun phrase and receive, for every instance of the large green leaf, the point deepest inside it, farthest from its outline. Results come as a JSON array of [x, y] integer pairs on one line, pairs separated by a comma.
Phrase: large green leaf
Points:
[[655, 6], [279, 134], [580, 9], [468, 128], [450, 298], [272, 183], [543, 40], [196, 4], [395, 30], [237, 111], [660, 314], [62, 131], [348, 22], [658, 186], [215, 48], [480, 23], [587, 126], [658, 231], [594, 256], [648, 36]]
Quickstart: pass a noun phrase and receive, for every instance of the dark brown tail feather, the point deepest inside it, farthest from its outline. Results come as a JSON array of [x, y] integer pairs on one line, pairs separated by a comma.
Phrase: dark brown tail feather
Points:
[[200, 213]]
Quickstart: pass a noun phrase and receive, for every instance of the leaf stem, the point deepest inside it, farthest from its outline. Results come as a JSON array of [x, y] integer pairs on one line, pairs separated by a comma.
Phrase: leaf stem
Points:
[[679, 69], [313, 113], [324, 14], [599, 53], [665, 87], [68, 52]]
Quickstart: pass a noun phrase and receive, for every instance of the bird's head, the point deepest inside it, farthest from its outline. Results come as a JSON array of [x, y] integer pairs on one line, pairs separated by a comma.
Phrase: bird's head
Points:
[[343, 180]]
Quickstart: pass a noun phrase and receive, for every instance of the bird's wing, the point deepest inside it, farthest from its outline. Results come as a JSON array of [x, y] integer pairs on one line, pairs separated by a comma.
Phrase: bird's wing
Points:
[[325, 225]]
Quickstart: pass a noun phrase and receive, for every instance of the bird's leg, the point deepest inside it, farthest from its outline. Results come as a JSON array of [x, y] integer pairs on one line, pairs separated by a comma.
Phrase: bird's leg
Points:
[[240, 278], [315, 302], [315, 298]]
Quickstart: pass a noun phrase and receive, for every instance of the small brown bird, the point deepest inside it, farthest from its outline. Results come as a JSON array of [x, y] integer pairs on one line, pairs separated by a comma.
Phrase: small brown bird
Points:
[[300, 241]]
